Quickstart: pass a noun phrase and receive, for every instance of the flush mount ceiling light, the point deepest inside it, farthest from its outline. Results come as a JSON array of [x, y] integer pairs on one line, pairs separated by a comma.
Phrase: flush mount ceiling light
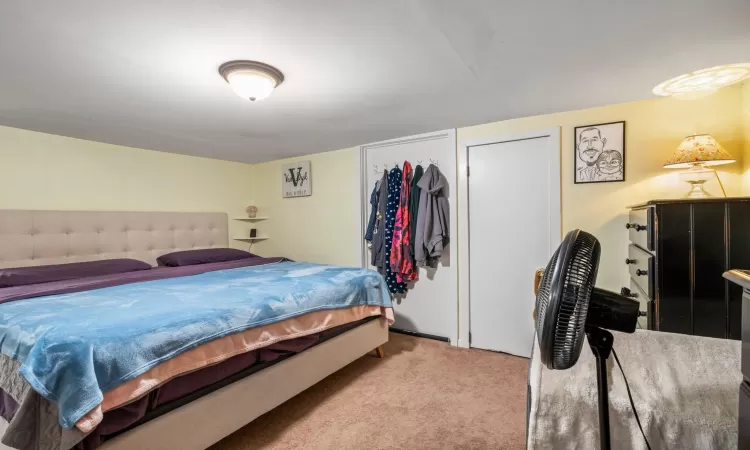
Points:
[[251, 79], [705, 80]]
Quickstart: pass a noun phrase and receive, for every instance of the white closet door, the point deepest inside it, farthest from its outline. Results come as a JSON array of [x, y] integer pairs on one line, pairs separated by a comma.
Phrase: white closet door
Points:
[[430, 306], [510, 189]]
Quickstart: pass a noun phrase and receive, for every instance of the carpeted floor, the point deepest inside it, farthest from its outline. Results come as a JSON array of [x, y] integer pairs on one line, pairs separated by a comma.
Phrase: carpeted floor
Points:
[[425, 394]]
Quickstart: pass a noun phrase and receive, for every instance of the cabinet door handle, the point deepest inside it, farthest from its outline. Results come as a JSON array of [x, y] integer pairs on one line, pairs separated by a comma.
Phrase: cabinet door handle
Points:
[[625, 292], [635, 226], [640, 272], [630, 261]]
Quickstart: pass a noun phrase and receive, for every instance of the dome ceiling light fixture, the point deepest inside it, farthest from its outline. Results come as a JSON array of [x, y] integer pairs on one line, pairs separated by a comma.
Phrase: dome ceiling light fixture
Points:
[[251, 79], [704, 80]]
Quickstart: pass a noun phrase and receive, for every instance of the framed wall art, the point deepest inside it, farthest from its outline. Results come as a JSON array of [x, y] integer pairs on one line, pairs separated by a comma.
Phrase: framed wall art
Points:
[[599, 153], [296, 179]]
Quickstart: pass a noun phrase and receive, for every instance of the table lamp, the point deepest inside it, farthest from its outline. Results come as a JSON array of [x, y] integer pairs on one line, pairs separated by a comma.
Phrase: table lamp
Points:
[[696, 153]]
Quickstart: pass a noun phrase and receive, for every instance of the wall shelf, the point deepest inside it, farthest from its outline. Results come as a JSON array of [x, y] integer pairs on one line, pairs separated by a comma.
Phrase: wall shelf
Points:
[[250, 219], [251, 239]]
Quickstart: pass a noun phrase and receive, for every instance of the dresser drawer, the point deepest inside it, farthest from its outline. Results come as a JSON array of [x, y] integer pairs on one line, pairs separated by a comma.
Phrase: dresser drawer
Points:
[[636, 293], [641, 266], [641, 227]]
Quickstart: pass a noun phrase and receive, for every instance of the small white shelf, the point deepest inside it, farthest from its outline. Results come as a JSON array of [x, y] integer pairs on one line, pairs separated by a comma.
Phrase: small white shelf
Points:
[[250, 219], [253, 239]]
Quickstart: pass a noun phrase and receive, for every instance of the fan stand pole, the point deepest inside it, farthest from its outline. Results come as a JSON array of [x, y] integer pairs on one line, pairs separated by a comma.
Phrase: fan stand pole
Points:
[[600, 342]]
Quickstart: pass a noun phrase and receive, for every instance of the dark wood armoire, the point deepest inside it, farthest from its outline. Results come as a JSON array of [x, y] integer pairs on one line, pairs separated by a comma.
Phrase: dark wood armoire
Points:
[[677, 254]]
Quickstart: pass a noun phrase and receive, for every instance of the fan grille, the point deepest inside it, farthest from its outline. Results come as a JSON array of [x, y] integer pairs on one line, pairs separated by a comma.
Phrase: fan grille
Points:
[[567, 299]]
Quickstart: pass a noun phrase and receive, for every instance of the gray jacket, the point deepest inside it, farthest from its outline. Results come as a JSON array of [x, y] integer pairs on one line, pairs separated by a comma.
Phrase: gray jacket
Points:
[[433, 223], [378, 237]]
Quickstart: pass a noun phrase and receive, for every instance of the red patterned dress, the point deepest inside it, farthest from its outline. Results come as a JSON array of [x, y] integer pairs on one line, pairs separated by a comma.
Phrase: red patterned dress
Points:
[[401, 260]]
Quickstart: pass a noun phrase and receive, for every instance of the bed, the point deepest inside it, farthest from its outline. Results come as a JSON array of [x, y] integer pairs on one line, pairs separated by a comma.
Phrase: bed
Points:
[[270, 368], [685, 389]]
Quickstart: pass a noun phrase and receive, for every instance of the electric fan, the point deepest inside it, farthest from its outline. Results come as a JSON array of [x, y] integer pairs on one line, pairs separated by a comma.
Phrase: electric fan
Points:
[[569, 306]]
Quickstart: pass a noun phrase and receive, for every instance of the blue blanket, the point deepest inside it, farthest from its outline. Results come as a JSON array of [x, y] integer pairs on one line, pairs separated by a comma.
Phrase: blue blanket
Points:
[[73, 347]]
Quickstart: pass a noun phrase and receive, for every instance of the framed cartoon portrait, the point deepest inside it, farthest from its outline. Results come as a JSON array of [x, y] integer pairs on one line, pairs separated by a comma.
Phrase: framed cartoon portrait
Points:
[[599, 153]]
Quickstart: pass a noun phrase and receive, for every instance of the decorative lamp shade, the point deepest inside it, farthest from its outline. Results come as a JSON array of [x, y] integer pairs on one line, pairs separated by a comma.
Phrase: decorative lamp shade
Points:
[[698, 149]]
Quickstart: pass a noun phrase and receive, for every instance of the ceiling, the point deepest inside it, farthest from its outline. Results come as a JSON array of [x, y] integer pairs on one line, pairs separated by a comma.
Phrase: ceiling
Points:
[[144, 73]]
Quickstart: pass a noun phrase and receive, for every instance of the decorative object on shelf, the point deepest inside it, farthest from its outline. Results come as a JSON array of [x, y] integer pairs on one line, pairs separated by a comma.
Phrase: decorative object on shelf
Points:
[[252, 211], [251, 79], [253, 233], [296, 179], [696, 153], [600, 153], [704, 81]]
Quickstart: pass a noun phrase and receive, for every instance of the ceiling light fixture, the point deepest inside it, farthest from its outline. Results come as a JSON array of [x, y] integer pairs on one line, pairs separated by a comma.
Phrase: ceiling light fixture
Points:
[[704, 80], [251, 79]]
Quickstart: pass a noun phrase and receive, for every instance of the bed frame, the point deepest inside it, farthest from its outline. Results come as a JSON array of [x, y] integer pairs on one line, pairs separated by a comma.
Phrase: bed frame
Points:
[[207, 420], [29, 238]]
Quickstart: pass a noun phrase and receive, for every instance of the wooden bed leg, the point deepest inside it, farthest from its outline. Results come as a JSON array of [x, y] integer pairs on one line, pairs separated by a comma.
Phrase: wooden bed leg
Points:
[[380, 352]]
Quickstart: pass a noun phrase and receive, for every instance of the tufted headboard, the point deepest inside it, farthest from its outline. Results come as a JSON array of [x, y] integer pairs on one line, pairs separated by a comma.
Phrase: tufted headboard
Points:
[[33, 238]]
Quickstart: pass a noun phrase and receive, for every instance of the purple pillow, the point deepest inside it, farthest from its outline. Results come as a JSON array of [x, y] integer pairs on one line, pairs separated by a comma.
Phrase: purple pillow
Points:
[[204, 256], [22, 276]]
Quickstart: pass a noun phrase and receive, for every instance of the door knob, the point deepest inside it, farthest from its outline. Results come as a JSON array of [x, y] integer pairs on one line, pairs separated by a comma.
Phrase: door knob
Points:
[[640, 272], [629, 261]]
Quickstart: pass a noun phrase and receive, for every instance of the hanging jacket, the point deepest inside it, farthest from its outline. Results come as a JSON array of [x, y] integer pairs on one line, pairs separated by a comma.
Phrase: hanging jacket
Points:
[[378, 234], [373, 212], [413, 209], [401, 258], [433, 223], [394, 196]]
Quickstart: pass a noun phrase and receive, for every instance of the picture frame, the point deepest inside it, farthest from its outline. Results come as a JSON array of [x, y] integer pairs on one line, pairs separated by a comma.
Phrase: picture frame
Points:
[[296, 179], [599, 153]]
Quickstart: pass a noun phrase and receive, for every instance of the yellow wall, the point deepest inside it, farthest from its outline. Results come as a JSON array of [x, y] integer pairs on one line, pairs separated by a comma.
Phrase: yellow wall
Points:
[[44, 171], [324, 227], [654, 129], [41, 171]]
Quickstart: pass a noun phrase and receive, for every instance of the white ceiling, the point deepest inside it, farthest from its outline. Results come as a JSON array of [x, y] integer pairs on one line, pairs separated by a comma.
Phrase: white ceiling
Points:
[[144, 73]]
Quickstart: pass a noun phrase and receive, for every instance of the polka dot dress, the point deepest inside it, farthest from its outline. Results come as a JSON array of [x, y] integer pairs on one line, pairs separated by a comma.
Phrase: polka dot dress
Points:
[[391, 207]]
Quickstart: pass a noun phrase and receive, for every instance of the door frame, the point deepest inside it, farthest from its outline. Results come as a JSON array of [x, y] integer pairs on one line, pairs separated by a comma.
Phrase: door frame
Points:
[[450, 136], [464, 265]]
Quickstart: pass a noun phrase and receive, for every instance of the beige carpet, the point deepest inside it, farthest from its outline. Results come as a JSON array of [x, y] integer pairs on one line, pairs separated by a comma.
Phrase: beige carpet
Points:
[[425, 394]]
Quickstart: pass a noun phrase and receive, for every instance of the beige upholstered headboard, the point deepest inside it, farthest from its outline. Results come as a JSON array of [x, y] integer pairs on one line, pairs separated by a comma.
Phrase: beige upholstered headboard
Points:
[[32, 238]]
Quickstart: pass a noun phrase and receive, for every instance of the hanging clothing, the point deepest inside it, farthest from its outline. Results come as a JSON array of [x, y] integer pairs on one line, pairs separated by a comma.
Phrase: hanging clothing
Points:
[[378, 234], [373, 212], [394, 195], [413, 212], [401, 258], [433, 223]]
